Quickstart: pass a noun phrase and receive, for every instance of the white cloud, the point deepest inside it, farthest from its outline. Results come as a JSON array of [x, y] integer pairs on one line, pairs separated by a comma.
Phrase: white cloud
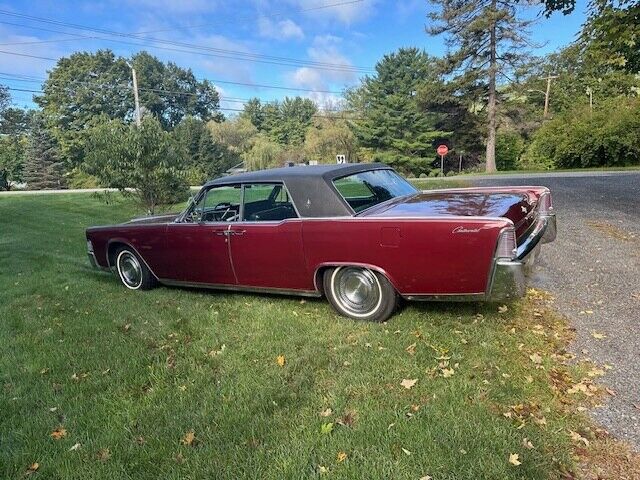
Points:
[[26, 47], [323, 49], [347, 13], [282, 30]]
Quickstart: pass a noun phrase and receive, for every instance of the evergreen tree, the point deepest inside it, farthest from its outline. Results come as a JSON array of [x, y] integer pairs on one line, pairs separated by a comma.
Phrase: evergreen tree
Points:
[[487, 39], [390, 119], [43, 168]]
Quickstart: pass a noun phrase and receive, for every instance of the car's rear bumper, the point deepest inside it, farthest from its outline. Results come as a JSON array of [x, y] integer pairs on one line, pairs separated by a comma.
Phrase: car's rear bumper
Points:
[[508, 278]]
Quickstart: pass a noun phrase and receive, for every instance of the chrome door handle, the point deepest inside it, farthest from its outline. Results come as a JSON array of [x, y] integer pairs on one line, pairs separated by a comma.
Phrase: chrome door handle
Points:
[[222, 232], [237, 232]]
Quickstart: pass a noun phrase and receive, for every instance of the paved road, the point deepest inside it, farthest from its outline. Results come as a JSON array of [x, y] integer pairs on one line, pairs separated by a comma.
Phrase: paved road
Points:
[[594, 265]]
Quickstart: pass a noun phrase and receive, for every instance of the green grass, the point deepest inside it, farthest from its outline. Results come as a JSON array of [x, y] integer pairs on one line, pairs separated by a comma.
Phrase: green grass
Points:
[[133, 372]]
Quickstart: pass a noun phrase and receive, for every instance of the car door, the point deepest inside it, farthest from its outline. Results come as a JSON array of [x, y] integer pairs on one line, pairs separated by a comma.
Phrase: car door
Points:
[[266, 246], [199, 244]]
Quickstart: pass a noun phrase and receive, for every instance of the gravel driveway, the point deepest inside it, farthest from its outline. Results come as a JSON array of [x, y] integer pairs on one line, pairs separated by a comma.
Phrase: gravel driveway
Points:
[[593, 270]]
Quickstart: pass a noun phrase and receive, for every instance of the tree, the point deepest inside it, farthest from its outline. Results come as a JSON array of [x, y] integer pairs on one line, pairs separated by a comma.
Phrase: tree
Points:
[[488, 39], [15, 121], [171, 93], [236, 134], [42, 167], [85, 88], [390, 120], [253, 112], [144, 158], [11, 160], [284, 122], [206, 157], [612, 34], [264, 153], [5, 99], [328, 137]]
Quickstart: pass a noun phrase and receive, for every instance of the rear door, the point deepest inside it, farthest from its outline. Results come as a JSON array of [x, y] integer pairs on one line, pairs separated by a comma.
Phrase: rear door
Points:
[[199, 245], [266, 246]]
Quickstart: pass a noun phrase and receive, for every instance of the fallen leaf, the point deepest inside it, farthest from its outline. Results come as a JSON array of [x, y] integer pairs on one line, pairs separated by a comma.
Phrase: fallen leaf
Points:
[[598, 336], [33, 468], [53, 409], [576, 437], [103, 454], [536, 358], [514, 459], [280, 360], [426, 477], [408, 384], [75, 447], [503, 309], [342, 456], [189, 439], [411, 349], [636, 405], [326, 428], [126, 328], [58, 433], [326, 413], [448, 372], [347, 420], [322, 469], [526, 443], [405, 451], [610, 391]]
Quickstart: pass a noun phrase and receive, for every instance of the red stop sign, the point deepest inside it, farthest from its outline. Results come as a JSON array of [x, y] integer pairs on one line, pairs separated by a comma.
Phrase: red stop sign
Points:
[[442, 150]]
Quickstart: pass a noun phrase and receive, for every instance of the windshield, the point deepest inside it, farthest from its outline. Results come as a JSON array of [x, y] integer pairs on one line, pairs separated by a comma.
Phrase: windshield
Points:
[[365, 189]]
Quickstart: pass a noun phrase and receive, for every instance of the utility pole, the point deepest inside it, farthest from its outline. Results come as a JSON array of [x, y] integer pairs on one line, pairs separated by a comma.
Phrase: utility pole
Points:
[[135, 96], [136, 99], [547, 93], [590, 93]]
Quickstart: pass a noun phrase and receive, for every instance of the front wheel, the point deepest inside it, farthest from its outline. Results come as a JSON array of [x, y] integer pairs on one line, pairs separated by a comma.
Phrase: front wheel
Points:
[[133, 272], [360, 293]]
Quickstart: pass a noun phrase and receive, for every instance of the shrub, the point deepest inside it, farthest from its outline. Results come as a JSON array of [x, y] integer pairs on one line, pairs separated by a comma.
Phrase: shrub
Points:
[[509, 148], [608, 136]]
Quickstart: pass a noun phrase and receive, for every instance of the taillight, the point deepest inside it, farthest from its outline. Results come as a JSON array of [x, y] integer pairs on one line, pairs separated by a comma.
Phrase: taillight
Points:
[[545, 204], [507, 247]]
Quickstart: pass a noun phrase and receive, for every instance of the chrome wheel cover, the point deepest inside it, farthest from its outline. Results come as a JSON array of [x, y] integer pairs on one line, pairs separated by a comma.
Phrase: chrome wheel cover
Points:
[[356, 290], [129, 270]]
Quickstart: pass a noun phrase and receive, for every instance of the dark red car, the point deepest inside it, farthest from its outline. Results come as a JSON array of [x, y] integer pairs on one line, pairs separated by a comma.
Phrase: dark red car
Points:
[[359, 234]]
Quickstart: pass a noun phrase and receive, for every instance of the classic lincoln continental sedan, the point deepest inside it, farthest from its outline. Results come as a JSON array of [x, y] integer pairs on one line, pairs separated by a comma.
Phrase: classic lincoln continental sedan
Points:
[[359, 234]]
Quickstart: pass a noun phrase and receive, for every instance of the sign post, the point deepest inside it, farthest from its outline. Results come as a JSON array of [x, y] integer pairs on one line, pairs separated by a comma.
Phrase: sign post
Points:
[[442, 151]]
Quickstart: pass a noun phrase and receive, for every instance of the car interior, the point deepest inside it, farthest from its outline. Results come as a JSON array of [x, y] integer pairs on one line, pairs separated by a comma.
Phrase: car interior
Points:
[[262, 202]]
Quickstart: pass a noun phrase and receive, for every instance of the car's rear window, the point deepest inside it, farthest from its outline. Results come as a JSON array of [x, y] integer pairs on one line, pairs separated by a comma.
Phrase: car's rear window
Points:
[[366, 189]]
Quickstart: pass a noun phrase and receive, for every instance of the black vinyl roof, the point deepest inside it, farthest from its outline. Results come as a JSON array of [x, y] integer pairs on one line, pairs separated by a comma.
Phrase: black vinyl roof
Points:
[[311, 186]]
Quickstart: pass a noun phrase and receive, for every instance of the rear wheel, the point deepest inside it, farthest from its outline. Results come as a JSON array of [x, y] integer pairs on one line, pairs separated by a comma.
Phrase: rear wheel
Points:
[[133, 272], [360, 293]]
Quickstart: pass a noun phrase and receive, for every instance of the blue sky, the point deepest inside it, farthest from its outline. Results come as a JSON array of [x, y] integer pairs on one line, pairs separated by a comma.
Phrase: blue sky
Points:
[[342, 33]]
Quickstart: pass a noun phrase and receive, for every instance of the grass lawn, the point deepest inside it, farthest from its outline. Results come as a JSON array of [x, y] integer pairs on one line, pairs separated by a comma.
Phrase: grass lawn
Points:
[[101, 382]]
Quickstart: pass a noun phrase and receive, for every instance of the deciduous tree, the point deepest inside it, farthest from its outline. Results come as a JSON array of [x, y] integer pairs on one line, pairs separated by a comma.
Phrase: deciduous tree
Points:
[[145, 159]]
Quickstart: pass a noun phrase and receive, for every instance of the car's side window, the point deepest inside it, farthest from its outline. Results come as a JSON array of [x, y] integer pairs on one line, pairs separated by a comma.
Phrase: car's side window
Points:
[[218, 204], [267, 202]]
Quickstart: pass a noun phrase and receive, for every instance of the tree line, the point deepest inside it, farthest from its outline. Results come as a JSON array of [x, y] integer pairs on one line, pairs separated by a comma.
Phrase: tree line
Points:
[[485, 99]]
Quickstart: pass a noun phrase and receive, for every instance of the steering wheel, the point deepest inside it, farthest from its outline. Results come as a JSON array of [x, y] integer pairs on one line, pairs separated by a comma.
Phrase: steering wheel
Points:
[[226, 206]]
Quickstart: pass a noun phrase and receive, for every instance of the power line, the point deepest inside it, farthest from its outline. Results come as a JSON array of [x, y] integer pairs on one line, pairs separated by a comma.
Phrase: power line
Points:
[[192, 48], [214, 81], [230, 109]]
